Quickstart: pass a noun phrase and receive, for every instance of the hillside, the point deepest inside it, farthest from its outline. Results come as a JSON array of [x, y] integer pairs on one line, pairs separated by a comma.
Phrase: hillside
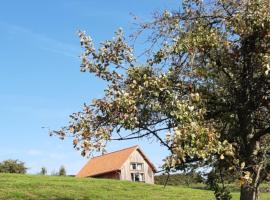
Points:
[[33, 187]]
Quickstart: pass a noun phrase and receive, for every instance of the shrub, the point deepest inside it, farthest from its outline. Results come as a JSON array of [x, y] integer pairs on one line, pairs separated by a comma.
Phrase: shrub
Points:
[[12, 166]]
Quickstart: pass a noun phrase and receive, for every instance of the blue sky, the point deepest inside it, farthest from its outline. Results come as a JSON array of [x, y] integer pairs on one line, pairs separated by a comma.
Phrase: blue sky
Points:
[[40, 80]]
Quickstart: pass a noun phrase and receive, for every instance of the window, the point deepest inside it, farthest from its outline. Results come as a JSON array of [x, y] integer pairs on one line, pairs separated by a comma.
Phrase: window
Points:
[[139, 166], [137, 177], [136, 166], [133, 166]]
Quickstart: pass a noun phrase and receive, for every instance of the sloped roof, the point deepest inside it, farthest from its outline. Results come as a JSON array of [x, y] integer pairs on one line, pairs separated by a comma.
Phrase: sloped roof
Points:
[[109, 162]]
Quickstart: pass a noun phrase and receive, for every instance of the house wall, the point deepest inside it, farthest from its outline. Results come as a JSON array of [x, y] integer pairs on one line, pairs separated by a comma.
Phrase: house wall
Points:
[[109, 175], [147, 170]]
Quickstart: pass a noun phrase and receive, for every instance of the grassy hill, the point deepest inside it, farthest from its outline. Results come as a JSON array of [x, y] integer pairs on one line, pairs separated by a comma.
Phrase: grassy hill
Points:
[[33, 187]]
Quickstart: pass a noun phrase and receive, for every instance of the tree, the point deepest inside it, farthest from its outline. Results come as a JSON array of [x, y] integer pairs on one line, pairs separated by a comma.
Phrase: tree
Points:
[[185, 178], [54, 173], [12, 166], [43, 171], [203, 91], [62, 171]]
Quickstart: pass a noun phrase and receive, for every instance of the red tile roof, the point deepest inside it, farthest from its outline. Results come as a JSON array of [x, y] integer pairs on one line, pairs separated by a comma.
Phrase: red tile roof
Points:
[[109, 162]]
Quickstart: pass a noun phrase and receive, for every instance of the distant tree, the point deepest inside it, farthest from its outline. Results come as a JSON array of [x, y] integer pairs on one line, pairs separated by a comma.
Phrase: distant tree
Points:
[[43, 171], [193, 177], [62, 171], [12, 166], [179, 178], [54, 173]]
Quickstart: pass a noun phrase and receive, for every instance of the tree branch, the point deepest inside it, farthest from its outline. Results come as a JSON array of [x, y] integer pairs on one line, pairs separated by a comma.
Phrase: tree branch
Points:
[[261, 133], [131, 138]]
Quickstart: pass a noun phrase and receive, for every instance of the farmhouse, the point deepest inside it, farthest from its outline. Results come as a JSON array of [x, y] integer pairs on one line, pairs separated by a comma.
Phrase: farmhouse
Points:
[[126, 164]]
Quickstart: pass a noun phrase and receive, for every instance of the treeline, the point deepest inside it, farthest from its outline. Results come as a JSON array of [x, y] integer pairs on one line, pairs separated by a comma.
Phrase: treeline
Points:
[[210, 179], [61, 171], [179, 179], [18, 167]]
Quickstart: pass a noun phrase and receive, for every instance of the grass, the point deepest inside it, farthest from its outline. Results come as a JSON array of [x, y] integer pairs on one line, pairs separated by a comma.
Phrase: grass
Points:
[[34, 187]]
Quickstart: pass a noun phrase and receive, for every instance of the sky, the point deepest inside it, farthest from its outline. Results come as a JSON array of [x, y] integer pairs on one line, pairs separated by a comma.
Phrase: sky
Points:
[[40, 78]]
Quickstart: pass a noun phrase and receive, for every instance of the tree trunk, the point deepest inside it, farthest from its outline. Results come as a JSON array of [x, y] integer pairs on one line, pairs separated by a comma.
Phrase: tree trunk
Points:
[[249, 192]]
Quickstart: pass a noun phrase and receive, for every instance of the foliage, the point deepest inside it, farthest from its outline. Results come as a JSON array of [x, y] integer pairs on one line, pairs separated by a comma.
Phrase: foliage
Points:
[[179, 179], [54, 173], [43, 171], [62, 171], [222, 193], [211, 180], [32, 187], [203, 91], [12, 166], [214, 177], [216, 182]]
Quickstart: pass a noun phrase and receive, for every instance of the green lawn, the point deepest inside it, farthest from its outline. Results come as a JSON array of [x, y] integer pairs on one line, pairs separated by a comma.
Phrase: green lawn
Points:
[[33, 187]]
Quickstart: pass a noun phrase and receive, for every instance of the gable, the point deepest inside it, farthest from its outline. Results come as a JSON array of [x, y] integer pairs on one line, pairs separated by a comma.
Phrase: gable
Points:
[[139, 157]]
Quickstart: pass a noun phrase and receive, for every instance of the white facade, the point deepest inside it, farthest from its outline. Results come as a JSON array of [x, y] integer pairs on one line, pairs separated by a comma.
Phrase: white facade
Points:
[[136, 168]]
